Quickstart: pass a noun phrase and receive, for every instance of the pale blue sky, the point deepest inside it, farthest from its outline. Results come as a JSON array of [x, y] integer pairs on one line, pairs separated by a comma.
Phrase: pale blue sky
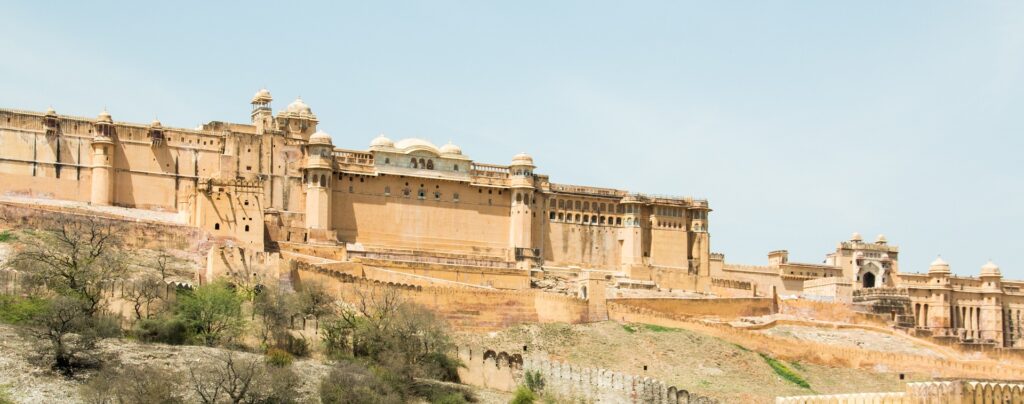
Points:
[[800, 121]]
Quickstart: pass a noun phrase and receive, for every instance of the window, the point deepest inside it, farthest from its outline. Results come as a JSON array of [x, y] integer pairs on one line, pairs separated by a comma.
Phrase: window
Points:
[[246, 227], [430, 164], [216, 226], [414, 164], [422, 193], [247, 203], [387, 160], [351, 189], [456, 167], [406, 191], [455, 197], [387, 190], [437, 195], [323, 181]]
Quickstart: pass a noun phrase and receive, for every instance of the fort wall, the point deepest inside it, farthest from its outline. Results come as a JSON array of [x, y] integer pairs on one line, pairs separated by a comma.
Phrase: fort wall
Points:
[[464, 309], [504, 371], [720, 307]]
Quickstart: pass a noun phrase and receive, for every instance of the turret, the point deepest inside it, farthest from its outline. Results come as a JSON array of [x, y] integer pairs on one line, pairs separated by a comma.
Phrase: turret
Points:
[[156, 133], [103, 160], [521, 228], [319, 170], [261, 113], [297, 120]]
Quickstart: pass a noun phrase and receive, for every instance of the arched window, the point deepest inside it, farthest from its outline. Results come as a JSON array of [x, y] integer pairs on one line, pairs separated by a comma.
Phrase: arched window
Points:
[[553, 203], [519, 197], [561, 204], [414, 165], [561, 216], [323, 181], [586, 205], [430, 164], [586, 218], [246, 227], [577, 218], [618, 221], [423, 164], [551, 215], [216, 226]]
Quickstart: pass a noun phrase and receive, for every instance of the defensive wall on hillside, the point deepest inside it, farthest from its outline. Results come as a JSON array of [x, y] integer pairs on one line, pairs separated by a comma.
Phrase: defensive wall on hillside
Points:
[[958, 392], [504, 371]]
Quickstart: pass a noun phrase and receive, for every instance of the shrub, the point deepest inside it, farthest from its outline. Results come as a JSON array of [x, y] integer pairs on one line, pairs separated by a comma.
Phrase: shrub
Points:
[[19, 310], [297, 346], [5, 397], [450, 398], [278, 358], [133, 384], [630, 329], [164, 329], [212, 313], [785, 372], [523, 395], [6, 236], [351, 383], [534, 381]]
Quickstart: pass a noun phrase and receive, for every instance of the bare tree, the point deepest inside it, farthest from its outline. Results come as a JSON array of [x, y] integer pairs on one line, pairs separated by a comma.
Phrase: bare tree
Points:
[[67, 332], [75, 257], [230, 378], [164, 264], [144, 293]]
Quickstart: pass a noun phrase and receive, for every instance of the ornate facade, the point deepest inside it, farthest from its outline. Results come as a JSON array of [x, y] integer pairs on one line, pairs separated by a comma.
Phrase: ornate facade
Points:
[[278, 179]]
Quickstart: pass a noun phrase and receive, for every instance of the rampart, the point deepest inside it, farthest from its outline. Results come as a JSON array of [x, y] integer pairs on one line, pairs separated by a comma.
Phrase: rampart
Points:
[[504, 371], [464, 309], [718, 307]]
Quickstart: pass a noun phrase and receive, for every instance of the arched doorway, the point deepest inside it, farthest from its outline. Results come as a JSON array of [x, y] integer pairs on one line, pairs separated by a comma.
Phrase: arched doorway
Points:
[[868, 280]]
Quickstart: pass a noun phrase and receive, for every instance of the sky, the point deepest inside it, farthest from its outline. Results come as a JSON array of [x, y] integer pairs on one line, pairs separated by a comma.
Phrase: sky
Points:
[[801, 122]]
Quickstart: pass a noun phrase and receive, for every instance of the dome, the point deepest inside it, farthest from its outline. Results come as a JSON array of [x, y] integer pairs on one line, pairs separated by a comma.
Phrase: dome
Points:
[[412, 144], [155, 123], [939, 266], [104, 116], [262, 96], [50, 111], [522, 159], [381, 141], [451, 149], [990, 269], [299, 107], [881, 239], [320, 137], [856, 237]]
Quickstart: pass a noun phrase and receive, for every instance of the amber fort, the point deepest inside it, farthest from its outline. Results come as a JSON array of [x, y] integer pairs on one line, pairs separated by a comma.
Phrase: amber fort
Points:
[[492, 244]]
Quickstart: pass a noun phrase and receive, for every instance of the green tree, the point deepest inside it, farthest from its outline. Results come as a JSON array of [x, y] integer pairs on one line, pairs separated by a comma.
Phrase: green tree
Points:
[[212, 312]]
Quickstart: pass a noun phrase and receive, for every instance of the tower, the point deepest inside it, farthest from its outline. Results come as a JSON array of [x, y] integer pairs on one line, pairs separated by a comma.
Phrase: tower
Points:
[[991, 306], [261, 113], [319, 170], [103, 160], [297, 120], [521, 226]]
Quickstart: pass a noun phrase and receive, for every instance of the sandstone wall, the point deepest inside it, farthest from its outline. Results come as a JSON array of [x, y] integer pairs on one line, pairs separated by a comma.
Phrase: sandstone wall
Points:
[[720, 307], [463, 308], [965, 392]]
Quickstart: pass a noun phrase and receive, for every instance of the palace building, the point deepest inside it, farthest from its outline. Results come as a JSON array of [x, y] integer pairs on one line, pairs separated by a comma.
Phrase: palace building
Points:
[[279, 181]]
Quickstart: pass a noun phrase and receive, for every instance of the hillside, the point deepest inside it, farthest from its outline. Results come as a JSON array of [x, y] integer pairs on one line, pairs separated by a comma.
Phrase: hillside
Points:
[[686, 359]]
